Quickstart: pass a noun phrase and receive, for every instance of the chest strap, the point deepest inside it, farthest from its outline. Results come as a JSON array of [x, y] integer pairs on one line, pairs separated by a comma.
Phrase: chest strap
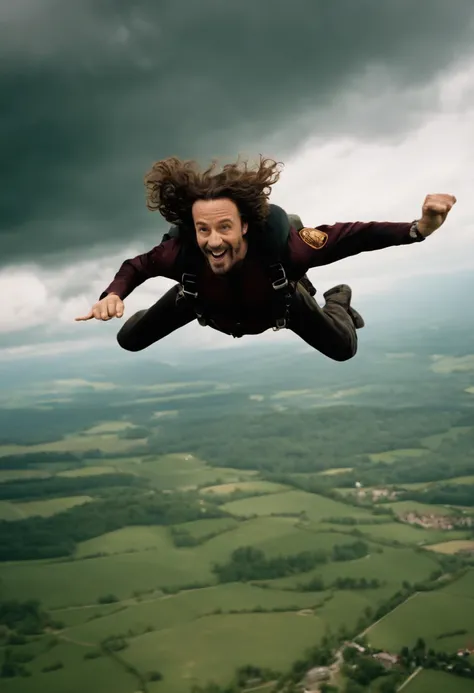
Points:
[[281, 304]]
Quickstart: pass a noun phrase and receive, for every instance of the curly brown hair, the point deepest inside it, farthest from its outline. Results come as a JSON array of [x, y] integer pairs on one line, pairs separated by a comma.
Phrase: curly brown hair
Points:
[[173, 185]]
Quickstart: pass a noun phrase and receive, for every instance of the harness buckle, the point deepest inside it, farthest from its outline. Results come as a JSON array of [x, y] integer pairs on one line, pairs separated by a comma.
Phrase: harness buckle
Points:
[[280, 281], [280, 324], [189, 285]]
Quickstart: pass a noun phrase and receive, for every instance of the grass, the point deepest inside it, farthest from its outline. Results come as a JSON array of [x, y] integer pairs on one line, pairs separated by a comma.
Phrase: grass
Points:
[[452, 434], [15, 474], [391, 456], [59, 584], [167, 612], [452, 547], [408, 534], [316, 507], [184, 471], [78, 675], [203, 528], [109, 443], [88, 471], [258, 487], [438, 682], [402, 507], [392, 566], [41, 508], [155, 562], [427, 615], [214, 646], [464, 587]]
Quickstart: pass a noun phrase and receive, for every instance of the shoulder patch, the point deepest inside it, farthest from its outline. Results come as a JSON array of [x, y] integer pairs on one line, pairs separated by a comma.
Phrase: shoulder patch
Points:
[[313, 237]]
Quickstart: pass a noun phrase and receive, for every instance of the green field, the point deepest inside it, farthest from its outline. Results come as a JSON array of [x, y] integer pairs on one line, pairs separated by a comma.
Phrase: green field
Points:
[[392, 566], [402, 507], [214, 646], [414, 619], [408, 534], [76, 676], [106, 442], [42, 508], [182, 471], [257, 487], [438, 682], [88, 471], [13, 474], [170, 611], [464, 587], [316, 507], [391, 456]]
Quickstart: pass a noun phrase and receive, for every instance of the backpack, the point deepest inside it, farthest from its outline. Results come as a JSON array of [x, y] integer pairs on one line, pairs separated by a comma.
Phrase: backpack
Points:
[[272, 241]]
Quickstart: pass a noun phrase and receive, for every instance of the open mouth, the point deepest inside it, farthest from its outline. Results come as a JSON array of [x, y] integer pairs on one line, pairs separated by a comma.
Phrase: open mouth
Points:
[[217, 255]]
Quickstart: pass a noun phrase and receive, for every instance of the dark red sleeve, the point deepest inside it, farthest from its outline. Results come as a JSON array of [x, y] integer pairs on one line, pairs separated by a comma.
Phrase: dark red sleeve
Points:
[[158, 262], [345, 239]]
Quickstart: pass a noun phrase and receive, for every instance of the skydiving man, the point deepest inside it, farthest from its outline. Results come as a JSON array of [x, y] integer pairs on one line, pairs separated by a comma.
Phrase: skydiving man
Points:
[[240, 263]]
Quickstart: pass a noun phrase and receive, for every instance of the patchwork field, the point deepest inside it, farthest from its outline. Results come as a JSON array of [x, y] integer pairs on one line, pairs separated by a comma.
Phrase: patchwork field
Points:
[[391, 566], [316, 507], [184, 471], [452, 547], [402, 507], [42, 508], [75, 676], [106, 442], [438, 682], [408, 534], [392, 456], [257, 487], [414, 619]]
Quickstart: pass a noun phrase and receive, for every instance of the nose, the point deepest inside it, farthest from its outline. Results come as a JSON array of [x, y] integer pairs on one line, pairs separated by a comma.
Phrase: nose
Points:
[[214, 240]]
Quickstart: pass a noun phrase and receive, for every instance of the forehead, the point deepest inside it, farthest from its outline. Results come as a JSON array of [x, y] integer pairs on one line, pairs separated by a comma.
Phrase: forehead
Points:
[[213, 210]]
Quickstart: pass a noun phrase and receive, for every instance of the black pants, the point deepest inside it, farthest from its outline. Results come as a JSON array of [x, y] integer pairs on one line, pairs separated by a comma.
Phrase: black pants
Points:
[[329, 330]]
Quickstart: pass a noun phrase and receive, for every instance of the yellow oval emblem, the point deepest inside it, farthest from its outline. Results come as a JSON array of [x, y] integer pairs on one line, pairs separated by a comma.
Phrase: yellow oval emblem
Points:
[[313, 237]]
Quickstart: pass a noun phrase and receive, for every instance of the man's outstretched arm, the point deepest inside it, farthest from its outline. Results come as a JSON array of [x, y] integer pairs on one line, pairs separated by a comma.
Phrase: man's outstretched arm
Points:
[[326, 244], [133, 272]]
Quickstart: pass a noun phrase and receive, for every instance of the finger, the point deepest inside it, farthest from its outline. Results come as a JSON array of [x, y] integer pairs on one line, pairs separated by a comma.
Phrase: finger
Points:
[[89, 316], [119, 309], [434, 209], [112, 307]]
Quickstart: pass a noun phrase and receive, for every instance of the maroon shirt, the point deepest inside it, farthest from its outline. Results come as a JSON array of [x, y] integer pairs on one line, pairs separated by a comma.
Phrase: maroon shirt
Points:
[[246, 296]]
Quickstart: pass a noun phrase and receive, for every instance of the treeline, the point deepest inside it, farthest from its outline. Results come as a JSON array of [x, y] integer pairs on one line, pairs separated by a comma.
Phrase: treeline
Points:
[[302, 440], [26, 489], [421, 656], [446, 494], [58, 535], [248, 563], [317, 584], [23, 618], [31, 460]]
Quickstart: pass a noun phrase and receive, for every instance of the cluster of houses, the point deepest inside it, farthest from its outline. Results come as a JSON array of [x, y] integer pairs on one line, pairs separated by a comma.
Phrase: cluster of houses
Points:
[[314, 677]]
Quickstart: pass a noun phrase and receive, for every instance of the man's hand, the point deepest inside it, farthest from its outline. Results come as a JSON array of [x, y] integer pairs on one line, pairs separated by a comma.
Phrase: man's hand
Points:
[[110, 306], [434, 212]]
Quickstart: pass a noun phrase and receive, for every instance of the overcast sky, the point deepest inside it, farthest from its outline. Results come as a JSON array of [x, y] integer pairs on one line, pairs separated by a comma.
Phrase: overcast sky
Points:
[[369, 104]]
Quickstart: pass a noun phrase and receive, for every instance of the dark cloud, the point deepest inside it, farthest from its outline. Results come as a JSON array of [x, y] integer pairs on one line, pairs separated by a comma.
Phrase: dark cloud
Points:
[[96, 90]]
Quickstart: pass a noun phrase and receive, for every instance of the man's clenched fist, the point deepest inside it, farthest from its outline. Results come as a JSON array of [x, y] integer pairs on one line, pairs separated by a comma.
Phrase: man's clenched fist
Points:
[[110, 306], [434, 212]]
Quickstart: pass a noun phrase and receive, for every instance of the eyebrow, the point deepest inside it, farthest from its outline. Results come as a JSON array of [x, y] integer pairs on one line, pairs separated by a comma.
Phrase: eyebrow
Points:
[[222, 221]]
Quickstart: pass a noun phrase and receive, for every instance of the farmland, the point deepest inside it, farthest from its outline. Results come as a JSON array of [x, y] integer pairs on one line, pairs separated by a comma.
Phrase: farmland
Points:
[[140, 533]]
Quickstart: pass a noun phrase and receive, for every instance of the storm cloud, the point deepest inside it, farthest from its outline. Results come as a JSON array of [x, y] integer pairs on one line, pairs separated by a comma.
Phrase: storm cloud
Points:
[[94, 91]]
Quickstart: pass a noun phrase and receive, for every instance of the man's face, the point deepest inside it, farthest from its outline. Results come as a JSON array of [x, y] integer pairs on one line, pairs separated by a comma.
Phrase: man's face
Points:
[[220, 233]]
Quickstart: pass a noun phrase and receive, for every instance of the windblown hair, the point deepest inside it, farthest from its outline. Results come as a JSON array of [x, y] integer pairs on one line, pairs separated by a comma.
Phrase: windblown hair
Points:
[[173, 185]]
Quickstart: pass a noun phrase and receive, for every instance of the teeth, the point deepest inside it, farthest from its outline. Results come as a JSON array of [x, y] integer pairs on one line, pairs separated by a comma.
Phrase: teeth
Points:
[[217, 254]]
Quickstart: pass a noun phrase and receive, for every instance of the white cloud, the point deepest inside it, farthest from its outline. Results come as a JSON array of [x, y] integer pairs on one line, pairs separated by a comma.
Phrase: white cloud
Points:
[[342, 179]]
